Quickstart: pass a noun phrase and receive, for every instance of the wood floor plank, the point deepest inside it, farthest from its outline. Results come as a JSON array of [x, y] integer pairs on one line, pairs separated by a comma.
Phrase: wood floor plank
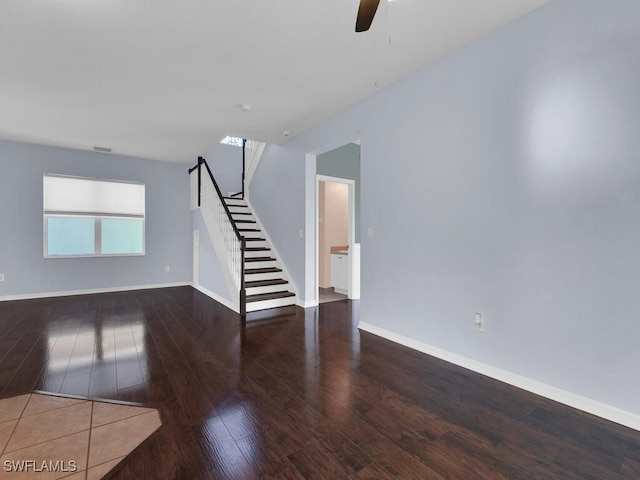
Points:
[[372, 472], [313, 462], [224, 452], [389, 455], [266, 459], [295, 395], [630, 468]]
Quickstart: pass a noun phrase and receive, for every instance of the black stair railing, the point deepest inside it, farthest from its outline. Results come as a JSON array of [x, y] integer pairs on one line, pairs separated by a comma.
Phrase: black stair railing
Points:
[[241, 239]]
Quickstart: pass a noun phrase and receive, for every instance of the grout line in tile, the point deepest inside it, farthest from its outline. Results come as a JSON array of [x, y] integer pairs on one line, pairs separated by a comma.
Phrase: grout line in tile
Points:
[[39, 443], [80, 402], [47, 441], [119, 459], [86, 470], [86, 473], [149, 410], [14, 427]]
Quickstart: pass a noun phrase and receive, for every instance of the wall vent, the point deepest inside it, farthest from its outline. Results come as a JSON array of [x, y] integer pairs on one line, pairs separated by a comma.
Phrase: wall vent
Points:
[[102, 149]]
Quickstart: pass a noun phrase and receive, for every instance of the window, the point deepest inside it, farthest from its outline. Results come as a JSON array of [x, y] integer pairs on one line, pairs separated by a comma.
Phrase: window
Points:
[[84, 217], [234, 141]]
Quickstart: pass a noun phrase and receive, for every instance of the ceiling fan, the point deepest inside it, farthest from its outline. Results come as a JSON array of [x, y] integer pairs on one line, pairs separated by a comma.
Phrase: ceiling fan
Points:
[[366, 12]]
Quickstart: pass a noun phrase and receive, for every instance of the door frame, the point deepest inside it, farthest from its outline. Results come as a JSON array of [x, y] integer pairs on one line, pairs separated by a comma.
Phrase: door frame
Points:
[[353, 290]]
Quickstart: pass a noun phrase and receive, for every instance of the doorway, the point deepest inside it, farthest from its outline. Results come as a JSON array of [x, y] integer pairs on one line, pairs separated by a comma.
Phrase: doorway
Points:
[[334, 238], [340, 164]]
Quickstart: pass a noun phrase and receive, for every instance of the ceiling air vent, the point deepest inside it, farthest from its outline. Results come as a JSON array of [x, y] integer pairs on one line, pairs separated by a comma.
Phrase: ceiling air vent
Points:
[[102, 149]]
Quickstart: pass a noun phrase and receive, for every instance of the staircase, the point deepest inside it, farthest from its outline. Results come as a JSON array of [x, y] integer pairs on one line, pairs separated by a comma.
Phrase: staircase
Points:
[[264, 280]]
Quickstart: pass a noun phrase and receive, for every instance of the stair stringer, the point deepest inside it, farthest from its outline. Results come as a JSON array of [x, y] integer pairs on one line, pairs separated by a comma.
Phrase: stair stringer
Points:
[[279, 259]]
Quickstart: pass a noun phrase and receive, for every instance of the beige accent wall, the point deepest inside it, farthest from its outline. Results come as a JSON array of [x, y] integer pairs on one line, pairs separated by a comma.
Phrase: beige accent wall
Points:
[[333, 228]]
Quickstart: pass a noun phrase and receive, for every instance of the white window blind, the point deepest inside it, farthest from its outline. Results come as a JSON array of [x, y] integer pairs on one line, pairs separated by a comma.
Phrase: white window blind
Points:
[[85, 217], [100, 197]]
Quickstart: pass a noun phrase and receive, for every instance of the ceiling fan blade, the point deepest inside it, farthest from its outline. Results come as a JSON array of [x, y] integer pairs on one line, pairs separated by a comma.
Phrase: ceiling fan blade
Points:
[[366, 12]]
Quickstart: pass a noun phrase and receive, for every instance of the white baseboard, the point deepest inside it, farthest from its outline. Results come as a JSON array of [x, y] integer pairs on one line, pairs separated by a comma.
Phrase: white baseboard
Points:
[[306, 303], [585, 404], [68, 293], [227, 303]]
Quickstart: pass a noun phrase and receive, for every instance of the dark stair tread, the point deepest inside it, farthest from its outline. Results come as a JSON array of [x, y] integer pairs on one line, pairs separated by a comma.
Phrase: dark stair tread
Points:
[[257, 249], [249, 230], [249, 271], [240, 213], [245, 221], [269, 296], [259, 259], [254, 239], [265, 283]]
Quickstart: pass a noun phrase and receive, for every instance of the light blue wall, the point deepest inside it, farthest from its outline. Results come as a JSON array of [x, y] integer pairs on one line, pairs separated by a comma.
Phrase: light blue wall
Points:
[[168, 222], [502, 180], [210, 269], [344, 162], [225, 162], [277, 194]]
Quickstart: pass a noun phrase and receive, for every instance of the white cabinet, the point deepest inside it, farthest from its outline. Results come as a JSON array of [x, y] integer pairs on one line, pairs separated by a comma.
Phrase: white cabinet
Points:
[[340, 272]]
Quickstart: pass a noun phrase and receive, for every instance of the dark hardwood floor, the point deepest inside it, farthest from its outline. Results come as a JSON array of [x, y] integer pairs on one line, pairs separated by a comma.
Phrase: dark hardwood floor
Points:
[[297, 394]]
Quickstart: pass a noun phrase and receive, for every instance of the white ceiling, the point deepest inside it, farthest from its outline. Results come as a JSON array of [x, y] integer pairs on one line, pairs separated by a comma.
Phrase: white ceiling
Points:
[[163, 79]]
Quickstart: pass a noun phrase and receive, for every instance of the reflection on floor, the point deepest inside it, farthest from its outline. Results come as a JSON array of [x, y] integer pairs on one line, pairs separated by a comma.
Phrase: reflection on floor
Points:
[[297, 394], [49, 437], [329, 295]]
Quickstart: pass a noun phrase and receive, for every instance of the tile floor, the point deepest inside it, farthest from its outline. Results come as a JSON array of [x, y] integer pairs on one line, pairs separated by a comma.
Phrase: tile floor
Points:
[[330, 295], [51, 437]]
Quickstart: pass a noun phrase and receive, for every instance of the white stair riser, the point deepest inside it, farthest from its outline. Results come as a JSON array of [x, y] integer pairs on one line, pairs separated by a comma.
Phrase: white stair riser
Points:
[[259, 243], [240, 207], [246, 225], [237, 209], [237, 217], [262, 276], [259, 253], [278, 302], [269, 264], [267, 289], [251, 234], [236, 203]]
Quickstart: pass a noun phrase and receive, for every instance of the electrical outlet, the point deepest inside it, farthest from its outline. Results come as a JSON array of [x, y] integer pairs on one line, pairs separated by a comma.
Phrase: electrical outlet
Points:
[[479, 322], [370, 232], [167, 268], [1, 277]]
